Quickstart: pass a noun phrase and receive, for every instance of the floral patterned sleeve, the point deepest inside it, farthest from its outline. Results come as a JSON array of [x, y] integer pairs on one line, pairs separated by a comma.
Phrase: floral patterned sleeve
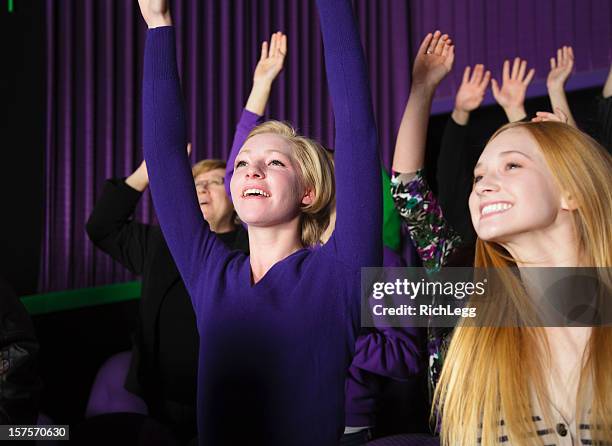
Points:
[[435, 241], [433, 238]]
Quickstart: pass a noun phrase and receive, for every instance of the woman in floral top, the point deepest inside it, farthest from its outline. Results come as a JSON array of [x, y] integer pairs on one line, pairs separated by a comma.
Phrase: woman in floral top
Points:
[[416, 203]]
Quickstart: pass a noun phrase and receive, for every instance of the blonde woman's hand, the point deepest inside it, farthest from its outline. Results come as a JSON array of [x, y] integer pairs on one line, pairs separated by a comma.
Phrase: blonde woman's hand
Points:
[[272, 59]]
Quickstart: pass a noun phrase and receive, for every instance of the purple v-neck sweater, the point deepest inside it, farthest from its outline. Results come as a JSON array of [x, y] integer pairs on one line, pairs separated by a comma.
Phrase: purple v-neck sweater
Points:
[[273, 356]]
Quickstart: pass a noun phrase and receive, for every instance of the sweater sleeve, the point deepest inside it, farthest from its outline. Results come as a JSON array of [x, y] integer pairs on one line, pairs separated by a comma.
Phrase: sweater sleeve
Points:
[[454, 178], [164, 139], [248, 121], [357, 236], [112, 230], [392, 352], [432, 236]]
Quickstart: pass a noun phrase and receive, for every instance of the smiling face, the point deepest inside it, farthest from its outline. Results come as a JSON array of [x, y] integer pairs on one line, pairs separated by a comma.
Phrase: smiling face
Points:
[[514, 191], [267, 187], [216, 206]]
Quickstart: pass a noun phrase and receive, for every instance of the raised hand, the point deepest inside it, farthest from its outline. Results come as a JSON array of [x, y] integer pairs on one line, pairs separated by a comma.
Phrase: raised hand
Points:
[[560, 68], [268, 67], [272, 58], [155, 12], [557, 116], [433, 61], [470, 93], [511, 95]]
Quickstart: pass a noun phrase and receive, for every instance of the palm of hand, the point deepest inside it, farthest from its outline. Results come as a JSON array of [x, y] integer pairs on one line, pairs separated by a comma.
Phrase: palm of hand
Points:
[[431, 68], [268, 68], [512, 93], [469, 97], [559, 75]]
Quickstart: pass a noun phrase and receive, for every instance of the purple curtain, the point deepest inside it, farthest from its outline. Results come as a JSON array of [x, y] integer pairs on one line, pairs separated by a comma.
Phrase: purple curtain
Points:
[[94, 66], [490, 31], [94, 69]]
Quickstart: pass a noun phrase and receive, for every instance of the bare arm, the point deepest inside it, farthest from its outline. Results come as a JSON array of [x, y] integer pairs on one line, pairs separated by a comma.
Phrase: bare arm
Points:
[[433, 62], [560, 70]]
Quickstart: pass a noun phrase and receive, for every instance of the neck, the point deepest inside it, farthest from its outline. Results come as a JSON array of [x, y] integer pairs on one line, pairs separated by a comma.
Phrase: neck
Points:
[[269, 245], [554, 246], [222, 226]]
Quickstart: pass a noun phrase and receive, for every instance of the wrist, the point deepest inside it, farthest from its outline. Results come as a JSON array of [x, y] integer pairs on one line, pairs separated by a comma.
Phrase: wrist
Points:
[[262, 86], [423, 90], [515, 113], [555, 88], [159, 21], [460, 116]]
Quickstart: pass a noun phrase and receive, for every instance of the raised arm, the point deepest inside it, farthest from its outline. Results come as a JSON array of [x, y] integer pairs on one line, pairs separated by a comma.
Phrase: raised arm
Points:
[[454, 175], [164, 137], [434, 239], [511, 94], [357, 236], [560, 71], [432, 63], [110, 226], [268, 67]]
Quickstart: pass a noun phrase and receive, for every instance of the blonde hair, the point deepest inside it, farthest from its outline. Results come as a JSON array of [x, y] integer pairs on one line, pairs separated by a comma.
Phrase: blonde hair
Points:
[[316, 171], [206, 166], [481, 381]]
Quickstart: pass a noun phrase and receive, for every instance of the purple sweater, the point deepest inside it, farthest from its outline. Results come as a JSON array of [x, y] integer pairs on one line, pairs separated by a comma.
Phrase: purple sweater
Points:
[[394, 353], [273, 356]]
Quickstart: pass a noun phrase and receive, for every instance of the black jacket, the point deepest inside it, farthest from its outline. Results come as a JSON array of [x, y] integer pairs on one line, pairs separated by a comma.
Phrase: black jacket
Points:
[[19, 381], [158, 372]]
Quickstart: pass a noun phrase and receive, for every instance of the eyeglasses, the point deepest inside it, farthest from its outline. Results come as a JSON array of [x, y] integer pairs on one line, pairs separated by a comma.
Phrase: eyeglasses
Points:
[[205, 184]]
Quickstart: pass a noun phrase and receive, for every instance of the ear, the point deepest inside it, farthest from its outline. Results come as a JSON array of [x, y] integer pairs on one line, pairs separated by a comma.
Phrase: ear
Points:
[[309, 197], [568, 203]]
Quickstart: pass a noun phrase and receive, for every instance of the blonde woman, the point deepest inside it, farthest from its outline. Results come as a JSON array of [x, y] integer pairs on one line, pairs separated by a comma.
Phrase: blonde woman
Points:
[[541, 198], [278, 327]]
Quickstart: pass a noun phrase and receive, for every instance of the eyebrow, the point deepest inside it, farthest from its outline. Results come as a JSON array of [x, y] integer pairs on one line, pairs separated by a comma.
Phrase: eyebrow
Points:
[[266, 151], [505, 152]]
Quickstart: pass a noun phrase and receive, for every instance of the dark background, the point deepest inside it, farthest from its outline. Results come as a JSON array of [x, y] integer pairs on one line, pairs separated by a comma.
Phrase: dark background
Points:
[[75, 343]]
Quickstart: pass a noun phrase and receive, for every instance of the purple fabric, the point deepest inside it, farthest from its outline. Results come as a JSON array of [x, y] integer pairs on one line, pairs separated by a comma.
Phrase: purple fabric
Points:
[[108, 394], [289, 337], [489, 32], [94, 64]]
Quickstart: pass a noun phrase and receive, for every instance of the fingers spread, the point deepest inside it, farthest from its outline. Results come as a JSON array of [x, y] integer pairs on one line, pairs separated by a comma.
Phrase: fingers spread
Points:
[[485, 80], [529, 76], [506, 71], [515, 67], [466, 75], [522, 69]]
